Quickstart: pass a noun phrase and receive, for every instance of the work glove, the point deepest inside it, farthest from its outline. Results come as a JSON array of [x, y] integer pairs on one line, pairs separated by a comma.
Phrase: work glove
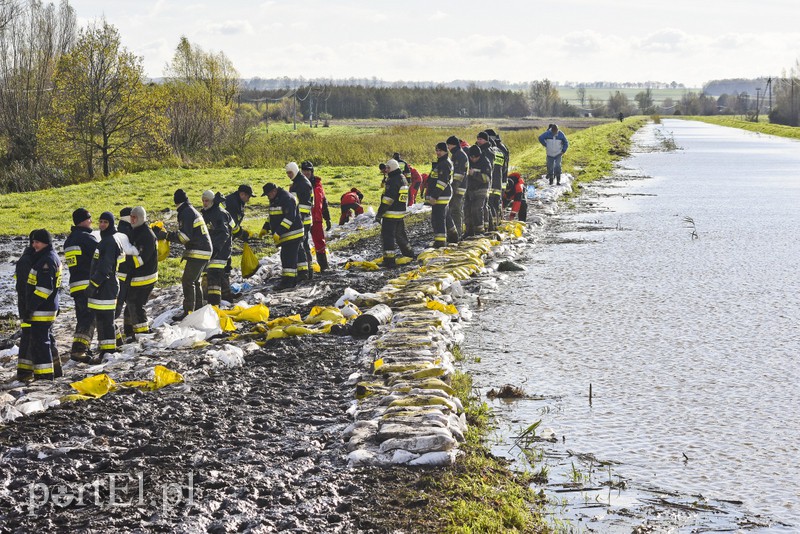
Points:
[[245, 235], [276, 239], [328, 225], [160, 234], [378, 218]]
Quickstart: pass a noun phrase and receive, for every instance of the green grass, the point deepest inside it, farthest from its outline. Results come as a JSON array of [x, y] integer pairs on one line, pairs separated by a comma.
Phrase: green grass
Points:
[[659, 95], [792, 132]]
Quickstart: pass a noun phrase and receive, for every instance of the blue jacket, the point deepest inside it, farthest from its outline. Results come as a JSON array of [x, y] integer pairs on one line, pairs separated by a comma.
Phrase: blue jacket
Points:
[[555, 144]]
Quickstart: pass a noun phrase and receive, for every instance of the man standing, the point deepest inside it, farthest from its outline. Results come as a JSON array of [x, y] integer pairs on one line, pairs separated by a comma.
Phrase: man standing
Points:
[[460, 164], [304, 195], [287, 231], [103, 287], [234, 205], [142, 276], [41, 308], [391, 213], [555, 143], [219, 225], [478, 179], [491, 155], [439, 193], [79, 250], [193, 235], [319, 213]]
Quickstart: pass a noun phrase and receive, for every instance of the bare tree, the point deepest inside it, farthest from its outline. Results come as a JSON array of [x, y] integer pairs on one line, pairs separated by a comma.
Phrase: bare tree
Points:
[[32, 38]]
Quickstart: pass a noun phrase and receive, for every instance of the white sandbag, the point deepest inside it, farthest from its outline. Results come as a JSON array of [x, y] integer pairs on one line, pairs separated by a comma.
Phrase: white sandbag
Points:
[[435, 459], [28, 408], [9, 413], [11, 351], [229, 356], [420, 444], [177, 336], [349, 295], [401, 457], [204, 319]]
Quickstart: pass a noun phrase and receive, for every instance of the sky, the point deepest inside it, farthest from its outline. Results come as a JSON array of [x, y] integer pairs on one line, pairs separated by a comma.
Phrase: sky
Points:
[[686, 41]]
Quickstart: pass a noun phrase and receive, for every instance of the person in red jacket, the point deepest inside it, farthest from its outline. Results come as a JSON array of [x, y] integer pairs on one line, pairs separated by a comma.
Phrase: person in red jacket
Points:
[[515, 196], [413, 187], [319, 213], [351, 202]]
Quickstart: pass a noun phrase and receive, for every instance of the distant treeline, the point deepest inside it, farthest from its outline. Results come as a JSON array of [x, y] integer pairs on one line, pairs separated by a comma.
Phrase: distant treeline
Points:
[[362, 102]]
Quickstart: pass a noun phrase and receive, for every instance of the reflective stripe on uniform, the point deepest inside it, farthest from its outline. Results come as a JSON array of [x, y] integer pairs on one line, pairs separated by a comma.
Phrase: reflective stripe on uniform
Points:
[[78, 285], [43, 316], [97, 304], [137, 281], [198, 254], [217, 264]]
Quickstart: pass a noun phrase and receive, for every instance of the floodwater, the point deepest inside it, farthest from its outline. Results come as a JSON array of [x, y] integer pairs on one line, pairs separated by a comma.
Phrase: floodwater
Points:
[[688, 342]]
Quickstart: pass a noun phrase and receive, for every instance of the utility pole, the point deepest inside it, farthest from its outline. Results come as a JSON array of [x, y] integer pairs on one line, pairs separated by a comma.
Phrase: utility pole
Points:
[[294, 111], [758, 91]]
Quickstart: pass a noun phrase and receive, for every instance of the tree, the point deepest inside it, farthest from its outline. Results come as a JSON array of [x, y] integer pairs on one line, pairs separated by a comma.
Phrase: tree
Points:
[[644, 100], [33, 36], [581, 92], [203, 87], [618, 103], [544, 98], [104, 109]]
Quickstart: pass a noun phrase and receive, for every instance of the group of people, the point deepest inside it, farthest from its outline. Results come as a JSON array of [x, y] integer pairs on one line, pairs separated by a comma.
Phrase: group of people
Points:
[[109, 277], [468, 188]]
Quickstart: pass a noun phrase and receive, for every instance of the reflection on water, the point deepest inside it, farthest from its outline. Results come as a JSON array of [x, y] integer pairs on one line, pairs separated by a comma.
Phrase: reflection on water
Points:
[[689, 344]]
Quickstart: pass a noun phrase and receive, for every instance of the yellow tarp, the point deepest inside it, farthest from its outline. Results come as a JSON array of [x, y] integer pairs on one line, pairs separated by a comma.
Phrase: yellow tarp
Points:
[[319, 314], [95, 386], [363, 265]]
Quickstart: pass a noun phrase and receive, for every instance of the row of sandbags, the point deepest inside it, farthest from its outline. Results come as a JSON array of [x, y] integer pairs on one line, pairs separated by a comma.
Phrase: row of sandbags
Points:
[[405, 410]]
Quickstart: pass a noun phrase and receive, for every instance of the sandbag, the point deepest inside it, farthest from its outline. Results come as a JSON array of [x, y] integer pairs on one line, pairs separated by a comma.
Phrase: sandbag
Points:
[[95, 386], [249, 261], [162, 245]]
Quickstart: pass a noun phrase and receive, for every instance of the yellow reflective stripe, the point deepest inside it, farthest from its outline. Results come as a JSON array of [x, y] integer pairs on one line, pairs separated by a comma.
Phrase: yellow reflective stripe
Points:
[[183, 237], [43, 317], [289, 236], [443, 200], [32, 277], [97, 304], [198, 221], [394, 214], [137, 281], [273, 210], [387, 200], [138, 261], [198, 254], [217, 264], [25, 364], [42, 292], [286, 223], [122, 276], [24, 325], [440, 184], [43, 369]]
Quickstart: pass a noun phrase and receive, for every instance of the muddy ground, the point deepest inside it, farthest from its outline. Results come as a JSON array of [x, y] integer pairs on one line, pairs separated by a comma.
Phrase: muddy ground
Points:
[[256, 448]]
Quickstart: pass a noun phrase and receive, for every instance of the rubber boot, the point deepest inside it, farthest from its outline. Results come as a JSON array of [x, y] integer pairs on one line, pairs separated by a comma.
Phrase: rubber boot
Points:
[[558, 180], [322, 259], [286, 282], [389, 262]]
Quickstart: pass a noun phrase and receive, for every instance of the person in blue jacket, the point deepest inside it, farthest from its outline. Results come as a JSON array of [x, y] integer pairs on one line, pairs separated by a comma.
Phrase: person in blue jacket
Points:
[[555, 143]]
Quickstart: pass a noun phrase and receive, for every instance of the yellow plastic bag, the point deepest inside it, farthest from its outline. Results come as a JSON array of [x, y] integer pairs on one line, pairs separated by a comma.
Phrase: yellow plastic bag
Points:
[[325, 313], [165, 377], [249, 261], [255, 314], [362, 265], [162, 245], [283, 321], [95, 386]]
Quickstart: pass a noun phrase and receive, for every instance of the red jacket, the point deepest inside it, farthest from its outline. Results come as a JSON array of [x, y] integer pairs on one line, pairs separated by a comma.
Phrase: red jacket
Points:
[[319, 211]]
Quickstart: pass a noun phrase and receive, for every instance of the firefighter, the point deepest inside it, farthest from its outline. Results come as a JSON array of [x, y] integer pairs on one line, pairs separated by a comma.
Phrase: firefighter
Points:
[[439, 193], [460, 165], [123, 236], [555, 143], [103, 287], [39, 360], [234, 205], [478, 180], [319, 213], [286, 225], [219, 224], [143, 275], [391, 213], [79, 250], [351, 203], [193, 235], [304, 195], [515, 194]]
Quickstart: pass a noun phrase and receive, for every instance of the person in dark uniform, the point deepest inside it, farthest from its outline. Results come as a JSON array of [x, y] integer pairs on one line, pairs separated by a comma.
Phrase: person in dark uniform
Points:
[[142, 276], [439, 193], [478, 180], [459, 184], [193, 235], [219, 225], [79, 250], [391, 213], [286, 225], [103, 287], [303, 191], [41, 360], [234, 205]]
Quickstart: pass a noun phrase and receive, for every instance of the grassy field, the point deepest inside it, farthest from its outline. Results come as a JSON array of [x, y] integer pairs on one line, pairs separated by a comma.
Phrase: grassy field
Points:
[[780, 130]]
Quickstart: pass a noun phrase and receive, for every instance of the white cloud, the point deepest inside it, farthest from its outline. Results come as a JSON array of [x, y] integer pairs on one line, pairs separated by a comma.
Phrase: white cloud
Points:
[[230, 27]]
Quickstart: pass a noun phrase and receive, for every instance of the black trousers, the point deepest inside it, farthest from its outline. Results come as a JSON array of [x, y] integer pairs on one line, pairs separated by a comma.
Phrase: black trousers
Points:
[[190, 281], [84, 323], [135, 318]]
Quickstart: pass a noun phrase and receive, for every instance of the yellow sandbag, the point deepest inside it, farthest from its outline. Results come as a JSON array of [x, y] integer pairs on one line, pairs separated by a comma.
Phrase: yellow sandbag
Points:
[[162, 245], [95, 386], [149, 385], [165, 377], [255, 314], [225, 322], [325, 313], [301, 330], [249, 261], [423, 400], [449, 309], [276, 333], [284, 321], [363, 265]]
